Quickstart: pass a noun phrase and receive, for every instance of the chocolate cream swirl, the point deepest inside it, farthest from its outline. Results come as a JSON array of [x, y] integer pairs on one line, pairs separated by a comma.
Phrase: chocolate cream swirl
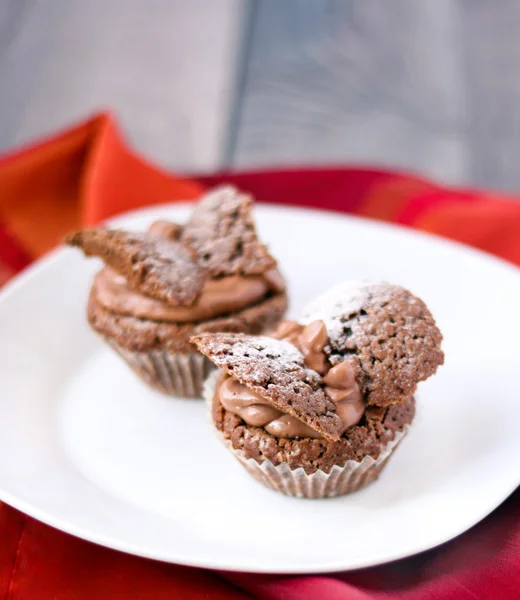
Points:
[[340, 386], [219, 297]]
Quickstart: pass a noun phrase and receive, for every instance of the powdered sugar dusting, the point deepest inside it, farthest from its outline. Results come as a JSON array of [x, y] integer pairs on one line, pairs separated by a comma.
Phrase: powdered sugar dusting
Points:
[[277, 371], [222, 231], [343, 300], [282, 351], [248, 350]]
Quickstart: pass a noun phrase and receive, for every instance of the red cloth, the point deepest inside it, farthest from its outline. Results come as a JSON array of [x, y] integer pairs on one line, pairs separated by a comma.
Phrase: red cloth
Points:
[[87, 174]]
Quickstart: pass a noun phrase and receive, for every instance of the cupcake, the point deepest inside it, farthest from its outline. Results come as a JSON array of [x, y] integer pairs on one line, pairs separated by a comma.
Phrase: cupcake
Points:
[[317, 408], [160, 288]]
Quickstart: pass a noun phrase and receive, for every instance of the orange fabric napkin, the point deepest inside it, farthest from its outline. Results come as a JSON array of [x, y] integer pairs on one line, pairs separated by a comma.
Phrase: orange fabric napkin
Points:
[[87, 174], [75, 178]]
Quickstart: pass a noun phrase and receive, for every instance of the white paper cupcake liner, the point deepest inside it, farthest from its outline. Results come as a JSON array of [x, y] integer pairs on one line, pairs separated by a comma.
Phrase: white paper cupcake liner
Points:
[[170, 373], [349, 478], [296, 482]]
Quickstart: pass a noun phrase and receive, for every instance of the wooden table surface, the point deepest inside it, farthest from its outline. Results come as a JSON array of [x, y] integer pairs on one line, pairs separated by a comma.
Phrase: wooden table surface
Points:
[[200, 84]]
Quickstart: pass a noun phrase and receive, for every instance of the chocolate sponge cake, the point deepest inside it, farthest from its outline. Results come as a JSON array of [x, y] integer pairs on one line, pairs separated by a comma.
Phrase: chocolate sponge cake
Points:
[[161, 287], [316, 408], [387, 334]]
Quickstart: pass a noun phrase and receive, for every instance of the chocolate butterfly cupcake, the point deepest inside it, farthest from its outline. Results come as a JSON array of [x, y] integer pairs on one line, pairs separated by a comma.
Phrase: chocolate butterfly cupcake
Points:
[[160, 288], [317, 408]]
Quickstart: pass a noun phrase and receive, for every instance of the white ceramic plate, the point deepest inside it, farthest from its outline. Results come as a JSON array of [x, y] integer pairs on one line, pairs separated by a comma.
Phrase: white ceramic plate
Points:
[[88, 449]]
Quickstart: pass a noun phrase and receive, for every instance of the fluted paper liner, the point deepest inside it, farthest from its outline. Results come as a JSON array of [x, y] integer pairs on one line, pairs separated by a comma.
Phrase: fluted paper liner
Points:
[[352, 476], [171, 373]]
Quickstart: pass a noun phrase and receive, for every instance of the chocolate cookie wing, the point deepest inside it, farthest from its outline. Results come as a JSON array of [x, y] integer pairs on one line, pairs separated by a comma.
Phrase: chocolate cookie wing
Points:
[[387, 333], [276, 371], [162, 269], [222, 232]]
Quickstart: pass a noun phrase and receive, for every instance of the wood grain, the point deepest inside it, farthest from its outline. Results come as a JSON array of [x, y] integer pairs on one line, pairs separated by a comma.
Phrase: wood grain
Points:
[[166, 67], [432, 87], [426, 86], [490, 31]]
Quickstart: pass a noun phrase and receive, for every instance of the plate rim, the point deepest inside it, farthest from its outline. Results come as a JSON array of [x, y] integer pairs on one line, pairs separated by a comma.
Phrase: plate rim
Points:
[[133, 550], [410, 232]]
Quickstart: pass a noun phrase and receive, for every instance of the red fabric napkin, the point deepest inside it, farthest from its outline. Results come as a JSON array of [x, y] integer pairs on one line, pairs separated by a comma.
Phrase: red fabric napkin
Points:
[[87, 174]]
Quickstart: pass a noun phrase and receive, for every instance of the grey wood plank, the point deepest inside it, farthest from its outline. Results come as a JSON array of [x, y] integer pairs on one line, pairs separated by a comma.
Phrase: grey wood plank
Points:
[[166, 67], [11, 15], [356, 81], [429, 86], [492, 68]]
